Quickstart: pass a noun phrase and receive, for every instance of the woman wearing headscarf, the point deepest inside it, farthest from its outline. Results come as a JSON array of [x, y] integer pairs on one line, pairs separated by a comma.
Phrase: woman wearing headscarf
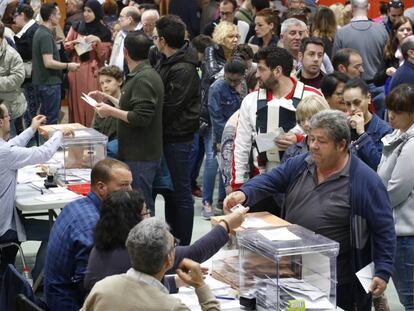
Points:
[[89, 43]]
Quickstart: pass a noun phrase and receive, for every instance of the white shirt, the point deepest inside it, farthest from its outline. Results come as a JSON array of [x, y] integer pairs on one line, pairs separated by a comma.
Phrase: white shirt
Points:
[[13, 156]]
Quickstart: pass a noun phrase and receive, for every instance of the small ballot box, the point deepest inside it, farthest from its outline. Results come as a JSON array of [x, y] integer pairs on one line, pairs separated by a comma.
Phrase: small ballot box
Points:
[[287, 265]]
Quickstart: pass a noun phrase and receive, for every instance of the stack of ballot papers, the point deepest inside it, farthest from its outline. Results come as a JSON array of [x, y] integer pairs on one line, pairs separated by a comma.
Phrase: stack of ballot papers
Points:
[[270, 294]]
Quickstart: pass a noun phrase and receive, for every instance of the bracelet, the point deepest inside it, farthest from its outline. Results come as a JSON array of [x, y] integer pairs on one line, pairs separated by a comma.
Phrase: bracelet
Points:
[[226, 223], [67, 66]]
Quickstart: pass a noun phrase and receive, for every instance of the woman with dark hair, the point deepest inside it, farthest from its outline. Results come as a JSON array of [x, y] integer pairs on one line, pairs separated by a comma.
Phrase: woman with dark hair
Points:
[[332, 87], [396, 171], [225, 37], [89, 43], [120, 212], [324, 27], [267, 27], [393, 58]]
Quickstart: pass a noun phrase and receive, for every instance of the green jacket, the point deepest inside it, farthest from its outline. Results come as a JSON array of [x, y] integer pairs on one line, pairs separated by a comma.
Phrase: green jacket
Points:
[[142, 96]]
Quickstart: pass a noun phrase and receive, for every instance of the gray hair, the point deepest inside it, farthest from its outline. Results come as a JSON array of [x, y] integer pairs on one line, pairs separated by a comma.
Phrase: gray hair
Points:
[[292, 22], [148, 243], [360, 4], [151, 14], [335, 123]]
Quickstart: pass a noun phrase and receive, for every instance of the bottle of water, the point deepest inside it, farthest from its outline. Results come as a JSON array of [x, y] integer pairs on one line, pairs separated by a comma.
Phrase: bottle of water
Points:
[[27, 275]]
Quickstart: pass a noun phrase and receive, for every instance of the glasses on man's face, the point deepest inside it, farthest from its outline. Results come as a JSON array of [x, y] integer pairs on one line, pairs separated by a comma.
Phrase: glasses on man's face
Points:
[[175, 244]]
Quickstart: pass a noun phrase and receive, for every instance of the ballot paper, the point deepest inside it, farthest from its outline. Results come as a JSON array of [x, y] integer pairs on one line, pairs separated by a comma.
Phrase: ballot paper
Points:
[[279, 234], [89, 100], [365, 276], [61, 195], [81, 46], [266, 141]]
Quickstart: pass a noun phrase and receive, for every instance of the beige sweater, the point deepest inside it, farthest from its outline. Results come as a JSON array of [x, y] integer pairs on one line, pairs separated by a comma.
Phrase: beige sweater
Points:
[[121, 292]]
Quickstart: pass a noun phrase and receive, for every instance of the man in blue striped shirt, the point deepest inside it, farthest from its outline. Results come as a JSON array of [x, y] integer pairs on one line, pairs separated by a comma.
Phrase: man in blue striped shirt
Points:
[[71, 238]]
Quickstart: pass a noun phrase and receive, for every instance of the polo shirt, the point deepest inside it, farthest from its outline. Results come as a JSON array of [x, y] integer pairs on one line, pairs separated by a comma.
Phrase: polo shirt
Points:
[[44, 43], [325, 209]]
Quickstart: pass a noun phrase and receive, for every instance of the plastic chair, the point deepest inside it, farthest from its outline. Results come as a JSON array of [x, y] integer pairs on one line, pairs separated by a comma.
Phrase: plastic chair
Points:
[[25, 304], [14, 284]]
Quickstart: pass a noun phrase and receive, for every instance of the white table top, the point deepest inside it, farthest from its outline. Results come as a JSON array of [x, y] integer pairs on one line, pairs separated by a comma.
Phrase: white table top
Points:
[[29, 199]]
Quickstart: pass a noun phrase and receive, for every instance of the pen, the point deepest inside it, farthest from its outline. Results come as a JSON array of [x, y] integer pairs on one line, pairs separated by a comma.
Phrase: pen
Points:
[[225, 298]]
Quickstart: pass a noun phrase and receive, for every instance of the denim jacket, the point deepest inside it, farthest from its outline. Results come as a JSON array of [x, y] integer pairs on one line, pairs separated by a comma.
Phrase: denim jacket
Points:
[[368, 147], [223, 101]]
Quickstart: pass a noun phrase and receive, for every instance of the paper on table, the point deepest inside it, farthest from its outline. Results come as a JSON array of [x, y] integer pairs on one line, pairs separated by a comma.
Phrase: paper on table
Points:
[[57, 197], [89, 100], [266, 141], [365, 276], [279, 234]]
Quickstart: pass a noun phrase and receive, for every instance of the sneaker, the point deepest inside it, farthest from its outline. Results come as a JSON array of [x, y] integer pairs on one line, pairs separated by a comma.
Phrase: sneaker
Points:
[[197, 192], [207, 211]]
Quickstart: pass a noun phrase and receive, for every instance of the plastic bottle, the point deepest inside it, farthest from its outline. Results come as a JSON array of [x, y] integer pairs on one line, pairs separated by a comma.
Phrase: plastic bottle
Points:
[[27, 275]]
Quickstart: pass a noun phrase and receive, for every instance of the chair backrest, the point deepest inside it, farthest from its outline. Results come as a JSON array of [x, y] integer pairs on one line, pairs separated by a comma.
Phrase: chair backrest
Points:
[[25, 304], [13, 284]]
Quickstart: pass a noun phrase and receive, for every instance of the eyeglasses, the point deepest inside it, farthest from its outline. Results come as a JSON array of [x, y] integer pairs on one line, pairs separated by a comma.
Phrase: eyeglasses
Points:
[[175, 244], [396, 4]]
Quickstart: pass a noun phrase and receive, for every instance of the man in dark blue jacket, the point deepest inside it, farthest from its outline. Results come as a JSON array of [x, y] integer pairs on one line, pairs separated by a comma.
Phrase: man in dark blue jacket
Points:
[[332, 192]]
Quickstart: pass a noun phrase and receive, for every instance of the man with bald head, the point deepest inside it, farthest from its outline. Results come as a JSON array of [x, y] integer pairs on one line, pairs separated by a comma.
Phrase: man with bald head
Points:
[[405, 74], [129, 19], [368, 38]]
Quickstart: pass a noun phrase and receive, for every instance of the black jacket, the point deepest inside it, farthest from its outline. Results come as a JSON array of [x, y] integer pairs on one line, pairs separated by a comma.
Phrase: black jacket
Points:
[[182, 99], [213, 62], [24, 43]]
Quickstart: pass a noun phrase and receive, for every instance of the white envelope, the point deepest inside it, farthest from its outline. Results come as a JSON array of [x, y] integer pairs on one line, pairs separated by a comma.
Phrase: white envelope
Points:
[[89, 100], [365, 276]]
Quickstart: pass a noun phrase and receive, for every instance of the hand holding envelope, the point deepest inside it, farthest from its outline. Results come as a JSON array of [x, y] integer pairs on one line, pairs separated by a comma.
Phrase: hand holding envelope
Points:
[[89, 100], [371, 284]]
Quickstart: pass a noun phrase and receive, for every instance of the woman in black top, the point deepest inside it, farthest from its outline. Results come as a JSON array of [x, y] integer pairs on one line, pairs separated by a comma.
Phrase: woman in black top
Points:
[[120, 212]]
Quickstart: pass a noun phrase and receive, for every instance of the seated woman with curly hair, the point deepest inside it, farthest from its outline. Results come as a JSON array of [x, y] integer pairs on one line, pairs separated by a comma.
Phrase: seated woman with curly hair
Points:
[[120, 212]]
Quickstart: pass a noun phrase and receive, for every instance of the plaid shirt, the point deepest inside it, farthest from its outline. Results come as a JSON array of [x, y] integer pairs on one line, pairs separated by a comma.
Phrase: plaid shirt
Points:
[[70, 242]]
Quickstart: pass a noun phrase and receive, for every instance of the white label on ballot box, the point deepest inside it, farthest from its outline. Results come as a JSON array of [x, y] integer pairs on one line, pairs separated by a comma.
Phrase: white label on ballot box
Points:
[[82, 133], [280, 234]]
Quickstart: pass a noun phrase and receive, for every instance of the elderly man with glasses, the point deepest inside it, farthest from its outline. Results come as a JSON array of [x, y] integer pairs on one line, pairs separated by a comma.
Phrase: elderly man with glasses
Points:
[[151, 248]]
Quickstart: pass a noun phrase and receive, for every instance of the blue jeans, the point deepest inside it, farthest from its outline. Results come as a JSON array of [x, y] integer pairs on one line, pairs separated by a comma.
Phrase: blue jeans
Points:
[[196, 158], [143, 174], [32, 104], [36, 230], [403, 276], [48, 99], [210, 171], [179, 205], [378, 98]]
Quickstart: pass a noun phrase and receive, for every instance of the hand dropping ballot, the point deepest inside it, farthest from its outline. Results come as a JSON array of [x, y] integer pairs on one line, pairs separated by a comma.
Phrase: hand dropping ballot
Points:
[[266, 141]]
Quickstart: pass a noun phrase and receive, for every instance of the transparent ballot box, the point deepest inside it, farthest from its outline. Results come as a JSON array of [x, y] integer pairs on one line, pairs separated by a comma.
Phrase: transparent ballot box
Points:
[[80, 154], [282, 266]]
